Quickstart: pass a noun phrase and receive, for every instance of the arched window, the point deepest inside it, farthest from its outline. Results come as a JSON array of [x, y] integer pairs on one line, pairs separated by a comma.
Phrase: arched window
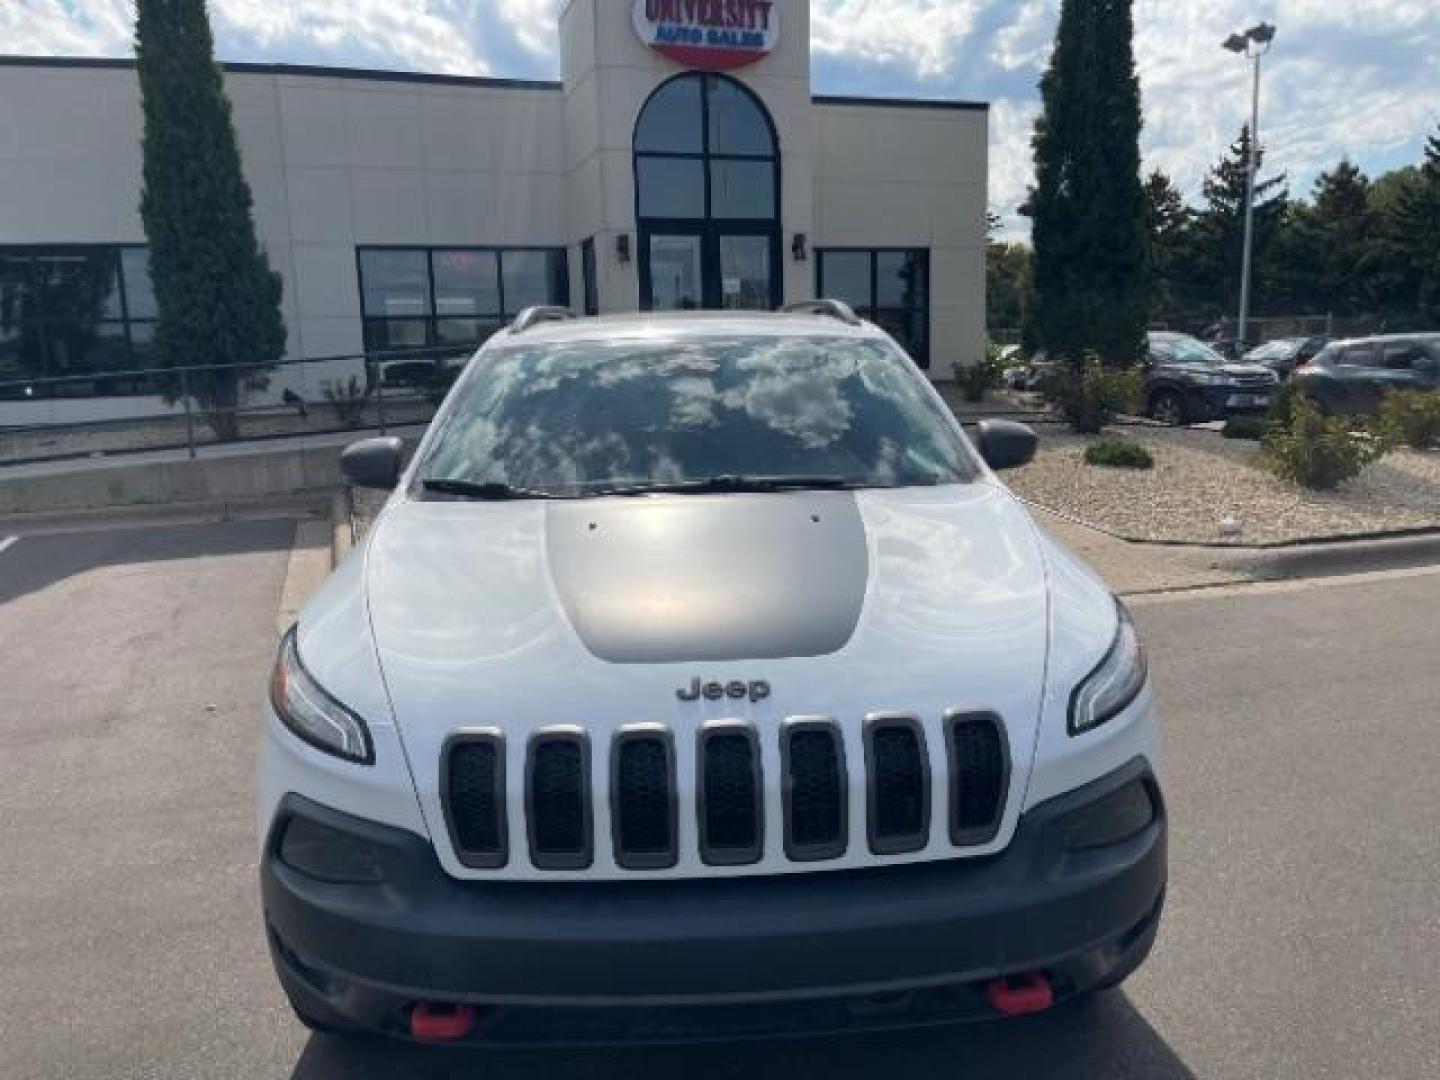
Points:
[[707, 187]]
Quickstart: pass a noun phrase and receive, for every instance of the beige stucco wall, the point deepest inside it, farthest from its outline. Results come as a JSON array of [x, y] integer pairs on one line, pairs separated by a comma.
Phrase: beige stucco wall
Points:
[[912, 177]]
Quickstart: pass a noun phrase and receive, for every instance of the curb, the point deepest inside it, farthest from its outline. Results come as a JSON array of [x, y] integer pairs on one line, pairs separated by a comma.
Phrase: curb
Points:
[[1302, 543]]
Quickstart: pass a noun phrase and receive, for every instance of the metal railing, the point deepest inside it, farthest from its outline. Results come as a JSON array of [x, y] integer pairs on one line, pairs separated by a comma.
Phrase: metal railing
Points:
[[106, 412]]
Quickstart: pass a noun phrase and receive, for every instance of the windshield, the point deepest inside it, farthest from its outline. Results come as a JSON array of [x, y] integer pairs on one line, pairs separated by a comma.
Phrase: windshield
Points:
[[1184, 350], [626, 417]]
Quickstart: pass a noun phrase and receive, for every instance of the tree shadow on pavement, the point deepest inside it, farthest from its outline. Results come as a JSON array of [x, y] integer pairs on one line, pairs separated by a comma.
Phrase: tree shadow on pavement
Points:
[[1102, 1037]]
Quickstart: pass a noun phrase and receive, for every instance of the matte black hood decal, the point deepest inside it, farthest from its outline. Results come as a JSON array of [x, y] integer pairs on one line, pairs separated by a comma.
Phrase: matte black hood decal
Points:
[[714, 577]]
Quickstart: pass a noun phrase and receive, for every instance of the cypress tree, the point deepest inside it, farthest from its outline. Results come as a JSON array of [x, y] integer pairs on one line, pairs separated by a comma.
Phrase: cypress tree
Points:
[[218, 300], [1088, 205]]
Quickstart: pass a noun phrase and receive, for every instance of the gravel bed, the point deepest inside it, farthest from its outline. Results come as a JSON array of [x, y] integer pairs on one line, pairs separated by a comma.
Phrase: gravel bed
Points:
[[1200, 479]]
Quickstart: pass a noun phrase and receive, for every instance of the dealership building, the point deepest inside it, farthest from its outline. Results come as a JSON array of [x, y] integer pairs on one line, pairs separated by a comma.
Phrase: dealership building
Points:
[[681, 161]]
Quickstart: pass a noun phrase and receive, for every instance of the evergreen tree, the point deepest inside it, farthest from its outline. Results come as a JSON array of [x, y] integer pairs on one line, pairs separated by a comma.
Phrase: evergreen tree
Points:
[[1219, 233], [1333, 238], [218, 299], [1088, 207], [1413, 231], [1167, 222], [1007, 283]]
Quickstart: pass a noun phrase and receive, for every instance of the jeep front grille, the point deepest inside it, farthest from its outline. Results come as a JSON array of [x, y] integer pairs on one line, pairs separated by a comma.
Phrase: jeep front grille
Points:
[[728, 796], [557, 795], [818, 794]]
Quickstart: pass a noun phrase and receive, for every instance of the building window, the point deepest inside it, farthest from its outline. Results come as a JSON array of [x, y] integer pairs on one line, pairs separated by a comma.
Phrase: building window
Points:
[[72, 312], [707, 183], [888, 286], [417, 297], [590, 275]]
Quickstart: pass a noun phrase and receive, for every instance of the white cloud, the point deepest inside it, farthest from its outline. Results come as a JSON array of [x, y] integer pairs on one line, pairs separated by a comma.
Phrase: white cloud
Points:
[[535, 23], [919, 33]]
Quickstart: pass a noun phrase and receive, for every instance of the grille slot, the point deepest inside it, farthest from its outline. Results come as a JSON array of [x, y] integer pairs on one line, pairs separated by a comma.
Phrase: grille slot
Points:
[[732, 823], [474, 798], [898, 785], [642, 783], [979, 776], [557, 797], [813, 759]]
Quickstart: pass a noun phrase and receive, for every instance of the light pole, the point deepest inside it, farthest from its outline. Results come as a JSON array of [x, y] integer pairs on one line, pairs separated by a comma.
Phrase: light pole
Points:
[[1252, 44]]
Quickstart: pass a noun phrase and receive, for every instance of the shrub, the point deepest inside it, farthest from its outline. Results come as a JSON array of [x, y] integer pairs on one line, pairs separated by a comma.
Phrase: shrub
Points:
[[977, 380], [1319, 452], [347, 399], [1245, 427], [1279, 414], [1092, 395], [1119, 454], [1411, 418]]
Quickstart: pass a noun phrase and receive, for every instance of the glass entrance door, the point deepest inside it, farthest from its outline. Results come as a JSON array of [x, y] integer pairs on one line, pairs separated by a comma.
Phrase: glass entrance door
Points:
[[676, 264], [685, 268]]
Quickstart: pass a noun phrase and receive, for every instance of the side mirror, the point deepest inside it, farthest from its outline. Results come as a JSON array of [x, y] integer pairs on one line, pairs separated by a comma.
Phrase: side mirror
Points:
[[373, 463], [1005, 444]]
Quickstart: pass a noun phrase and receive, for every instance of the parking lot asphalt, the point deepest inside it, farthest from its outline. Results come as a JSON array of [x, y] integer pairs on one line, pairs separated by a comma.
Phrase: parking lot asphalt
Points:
[[1302, 771]]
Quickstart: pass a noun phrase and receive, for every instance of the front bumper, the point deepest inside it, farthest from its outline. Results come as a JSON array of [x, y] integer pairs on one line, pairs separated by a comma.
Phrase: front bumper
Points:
[[1218, 402], [577, 962]]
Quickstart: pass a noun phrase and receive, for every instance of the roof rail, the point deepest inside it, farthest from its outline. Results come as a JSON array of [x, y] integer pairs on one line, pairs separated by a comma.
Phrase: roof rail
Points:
[[533, 316], [835, 309]]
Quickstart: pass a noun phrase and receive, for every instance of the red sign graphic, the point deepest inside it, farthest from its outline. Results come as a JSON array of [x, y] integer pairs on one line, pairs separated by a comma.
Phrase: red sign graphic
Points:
[[709, 35]]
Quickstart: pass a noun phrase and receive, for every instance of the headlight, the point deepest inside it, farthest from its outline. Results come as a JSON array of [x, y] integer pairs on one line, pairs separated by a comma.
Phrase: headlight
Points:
[[313, 715], [1114, 684], [1205, 378]]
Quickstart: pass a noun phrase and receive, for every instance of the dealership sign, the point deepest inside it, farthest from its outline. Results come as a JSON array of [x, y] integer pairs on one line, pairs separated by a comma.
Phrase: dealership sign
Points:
[[711, 35]]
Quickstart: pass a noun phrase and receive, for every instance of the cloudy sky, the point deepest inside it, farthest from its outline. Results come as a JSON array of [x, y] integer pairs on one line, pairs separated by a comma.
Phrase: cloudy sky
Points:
[[1347, 77]]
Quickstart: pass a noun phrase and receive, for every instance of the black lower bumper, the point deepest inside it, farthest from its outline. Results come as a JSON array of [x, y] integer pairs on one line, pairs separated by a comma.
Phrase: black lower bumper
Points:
[[729, 956]]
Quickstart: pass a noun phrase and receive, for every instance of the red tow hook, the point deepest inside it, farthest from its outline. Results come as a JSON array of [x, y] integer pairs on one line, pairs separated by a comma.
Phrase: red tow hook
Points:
[[432, 1021], [1020, 995]]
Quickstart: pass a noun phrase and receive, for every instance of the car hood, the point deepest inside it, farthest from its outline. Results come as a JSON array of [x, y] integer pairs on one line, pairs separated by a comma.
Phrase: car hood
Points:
[[522, 615]]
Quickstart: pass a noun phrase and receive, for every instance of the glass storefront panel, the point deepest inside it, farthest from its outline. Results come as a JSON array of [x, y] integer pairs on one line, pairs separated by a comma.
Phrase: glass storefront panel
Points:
[[742, 189], [466, 283], [529, 279], [675, 281], [395, 284], [671, 187], [139, 292], [383, 334], [671, 122], [845, 275], [737, 126], [899, 278], [745, 272], [464, 331], [63, 313]]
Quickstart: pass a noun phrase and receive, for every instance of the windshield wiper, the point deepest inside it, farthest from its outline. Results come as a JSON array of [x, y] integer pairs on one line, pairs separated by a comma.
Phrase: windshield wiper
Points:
[[731, 483], [489, 490]]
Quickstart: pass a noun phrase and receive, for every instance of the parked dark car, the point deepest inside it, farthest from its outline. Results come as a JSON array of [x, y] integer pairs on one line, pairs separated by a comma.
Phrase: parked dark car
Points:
[[1351, 377], [1188, 382], [1284, 355]]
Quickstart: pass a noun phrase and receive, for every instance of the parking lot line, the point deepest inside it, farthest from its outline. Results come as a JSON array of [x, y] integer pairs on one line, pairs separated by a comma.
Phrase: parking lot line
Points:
[[7, 542]]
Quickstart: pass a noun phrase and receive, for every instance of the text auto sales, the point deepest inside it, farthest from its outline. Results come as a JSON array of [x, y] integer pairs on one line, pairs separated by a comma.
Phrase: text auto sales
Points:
[[732, 24]]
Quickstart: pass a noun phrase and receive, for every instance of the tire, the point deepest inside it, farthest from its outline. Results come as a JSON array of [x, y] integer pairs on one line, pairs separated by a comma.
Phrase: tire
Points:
[[1168, 407]]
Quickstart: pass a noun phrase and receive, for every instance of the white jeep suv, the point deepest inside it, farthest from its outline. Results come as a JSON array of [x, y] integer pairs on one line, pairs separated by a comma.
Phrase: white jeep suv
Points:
[[700, 677]]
